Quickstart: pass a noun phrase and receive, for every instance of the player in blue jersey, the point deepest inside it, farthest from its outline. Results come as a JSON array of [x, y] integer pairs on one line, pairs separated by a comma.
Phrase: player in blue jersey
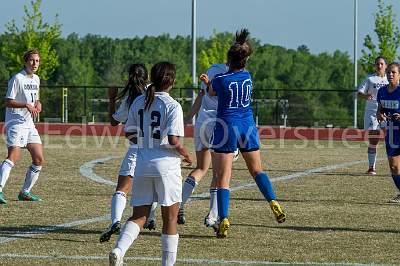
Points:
[[235, 128], [389, 111]]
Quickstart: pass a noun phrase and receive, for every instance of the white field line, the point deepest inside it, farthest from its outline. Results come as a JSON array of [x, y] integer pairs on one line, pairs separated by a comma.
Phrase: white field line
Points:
[[187, 261], [87, 171]]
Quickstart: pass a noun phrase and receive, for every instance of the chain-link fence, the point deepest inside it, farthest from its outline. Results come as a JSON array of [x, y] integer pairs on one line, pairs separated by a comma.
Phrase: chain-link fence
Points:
[[312, 108]]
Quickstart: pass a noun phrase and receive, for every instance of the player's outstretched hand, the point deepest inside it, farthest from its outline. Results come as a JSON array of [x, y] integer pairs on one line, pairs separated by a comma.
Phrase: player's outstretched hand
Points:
[[381, 117], [38, 106], [396, 116], [205, 79], [112, 93]]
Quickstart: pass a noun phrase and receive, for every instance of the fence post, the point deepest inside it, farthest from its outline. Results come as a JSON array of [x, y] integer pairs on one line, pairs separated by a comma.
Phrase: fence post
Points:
[[64, 108]]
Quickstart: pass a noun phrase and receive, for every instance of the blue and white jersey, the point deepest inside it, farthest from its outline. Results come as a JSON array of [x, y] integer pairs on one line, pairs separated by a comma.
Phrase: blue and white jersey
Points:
[[389, 101], [234, 91]]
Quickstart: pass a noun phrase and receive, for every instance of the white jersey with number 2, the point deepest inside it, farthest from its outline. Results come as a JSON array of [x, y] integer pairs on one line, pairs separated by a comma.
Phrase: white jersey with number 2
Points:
[[164, 117]]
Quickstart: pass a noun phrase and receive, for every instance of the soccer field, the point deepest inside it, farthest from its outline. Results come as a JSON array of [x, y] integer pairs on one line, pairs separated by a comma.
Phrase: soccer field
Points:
[[335, 213]]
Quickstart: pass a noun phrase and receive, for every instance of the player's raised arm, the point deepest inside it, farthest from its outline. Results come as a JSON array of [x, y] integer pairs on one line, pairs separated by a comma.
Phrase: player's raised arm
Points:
[[207, 81]]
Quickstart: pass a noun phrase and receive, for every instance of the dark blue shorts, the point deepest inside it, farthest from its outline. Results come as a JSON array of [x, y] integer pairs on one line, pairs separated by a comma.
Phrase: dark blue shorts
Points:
[[229, 136], [392, 141]]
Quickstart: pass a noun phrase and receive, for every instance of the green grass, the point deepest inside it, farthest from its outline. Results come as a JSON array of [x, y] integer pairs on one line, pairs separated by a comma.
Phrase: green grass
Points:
[[334, 216]]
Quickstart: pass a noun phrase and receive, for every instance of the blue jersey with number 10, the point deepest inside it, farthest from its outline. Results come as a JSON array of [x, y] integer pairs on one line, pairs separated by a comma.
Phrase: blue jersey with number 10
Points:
[[234, 94]]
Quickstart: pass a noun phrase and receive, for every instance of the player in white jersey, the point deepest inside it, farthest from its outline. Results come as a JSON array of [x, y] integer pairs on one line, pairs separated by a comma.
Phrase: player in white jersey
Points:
[[368, 90], [206, 108], [136, 84], [155, 123], [23, 106]]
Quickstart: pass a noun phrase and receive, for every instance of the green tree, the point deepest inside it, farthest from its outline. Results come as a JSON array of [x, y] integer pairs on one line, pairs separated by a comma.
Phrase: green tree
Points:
[[388, 35], [34, 34]]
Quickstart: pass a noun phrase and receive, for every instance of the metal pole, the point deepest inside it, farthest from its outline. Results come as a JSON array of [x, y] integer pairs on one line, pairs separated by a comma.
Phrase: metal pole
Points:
[[355, 64], [194, 75], [65, 105]]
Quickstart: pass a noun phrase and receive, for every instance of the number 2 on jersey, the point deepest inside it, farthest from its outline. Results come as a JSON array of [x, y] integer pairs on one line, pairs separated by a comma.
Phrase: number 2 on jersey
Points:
[[155, 123]]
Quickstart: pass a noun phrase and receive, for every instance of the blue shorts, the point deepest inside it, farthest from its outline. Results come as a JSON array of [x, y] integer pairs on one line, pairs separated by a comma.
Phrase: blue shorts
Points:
[[392, 141], [229, 136]]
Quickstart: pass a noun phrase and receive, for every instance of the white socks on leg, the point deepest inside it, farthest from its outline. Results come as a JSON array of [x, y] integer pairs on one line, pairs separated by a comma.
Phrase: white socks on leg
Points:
[[31, 177], [5, 169], [129, 233], [169, 245], [213, 204], [152, 215], [187, 190], [118, 204]]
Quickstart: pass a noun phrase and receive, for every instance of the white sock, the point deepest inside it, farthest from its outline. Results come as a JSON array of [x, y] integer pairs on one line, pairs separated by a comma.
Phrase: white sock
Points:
[[213, 203], [187, 190], [31, 177], [152, 215], [371, 157], [129, 233], [5, 169], [169, 245], [118, 203]]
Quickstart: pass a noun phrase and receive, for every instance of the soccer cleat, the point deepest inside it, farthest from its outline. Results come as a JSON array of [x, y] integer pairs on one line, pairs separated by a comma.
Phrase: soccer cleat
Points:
[[211, 222], [181, 217], [115, 258], [223, 227], [27, 196], [2, 198], [112, 229], [150, 224], [395, 199], [277, 210], [371, 171]]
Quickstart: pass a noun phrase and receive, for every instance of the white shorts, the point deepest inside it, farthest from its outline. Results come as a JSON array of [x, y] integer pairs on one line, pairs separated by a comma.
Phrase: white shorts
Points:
[[370, 121], [20, 137], [203, 130], [166, 190], [128, 164]]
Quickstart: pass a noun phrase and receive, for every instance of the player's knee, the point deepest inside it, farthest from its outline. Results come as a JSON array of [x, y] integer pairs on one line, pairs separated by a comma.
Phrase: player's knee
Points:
[[38, 160], [255, 172], [395, 169]]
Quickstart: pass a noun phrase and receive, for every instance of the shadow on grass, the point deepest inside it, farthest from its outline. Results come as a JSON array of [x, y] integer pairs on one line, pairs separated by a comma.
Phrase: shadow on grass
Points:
[[323, 229], [40, 229]]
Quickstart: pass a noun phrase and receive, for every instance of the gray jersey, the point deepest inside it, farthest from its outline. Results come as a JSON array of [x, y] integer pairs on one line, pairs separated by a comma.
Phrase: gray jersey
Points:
[[23, 89]]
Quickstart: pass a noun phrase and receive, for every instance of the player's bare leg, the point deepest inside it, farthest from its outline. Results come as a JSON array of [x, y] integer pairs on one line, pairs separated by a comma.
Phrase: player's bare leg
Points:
[[373, 139], [203, 164], [14, 154], [169, 237], [253, 162], [129, 233], [223, 164], [32, 174]]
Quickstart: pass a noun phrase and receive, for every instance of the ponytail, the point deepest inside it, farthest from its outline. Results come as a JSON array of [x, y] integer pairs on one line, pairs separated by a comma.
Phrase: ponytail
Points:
[[149, 96], [136, 83]]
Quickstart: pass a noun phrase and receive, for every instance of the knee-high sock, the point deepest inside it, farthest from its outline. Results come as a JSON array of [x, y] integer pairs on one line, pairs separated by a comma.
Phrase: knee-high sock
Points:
[[118, 203], [129, 233], [213, 203], [265, 186], [31, 177], [5, 169], [396, 180], [152, 215], [187, 190], [223, 202], [372, 157], [169, 249]]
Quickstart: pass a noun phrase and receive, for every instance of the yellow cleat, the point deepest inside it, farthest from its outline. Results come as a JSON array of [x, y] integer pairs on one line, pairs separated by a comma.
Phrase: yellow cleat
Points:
[[278, 211], [223, 227]]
